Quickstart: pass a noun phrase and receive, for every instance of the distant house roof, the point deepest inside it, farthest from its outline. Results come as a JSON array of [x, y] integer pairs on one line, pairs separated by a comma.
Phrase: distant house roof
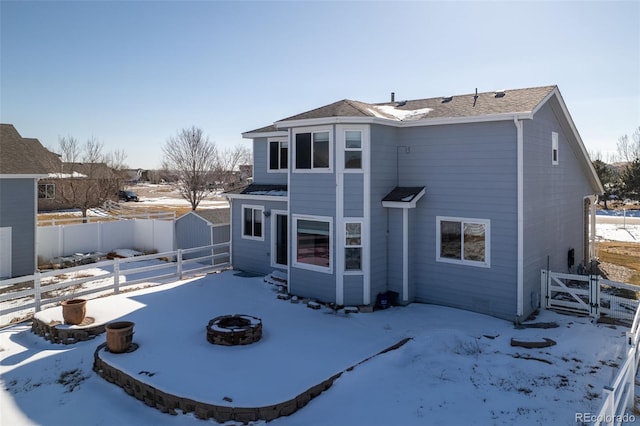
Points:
[[215, 216], [23, 156], [257, 189]]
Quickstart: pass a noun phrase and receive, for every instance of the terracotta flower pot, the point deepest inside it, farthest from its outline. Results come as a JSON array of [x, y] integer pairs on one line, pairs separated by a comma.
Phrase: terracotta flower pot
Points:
[[119, 336], [74, 311]]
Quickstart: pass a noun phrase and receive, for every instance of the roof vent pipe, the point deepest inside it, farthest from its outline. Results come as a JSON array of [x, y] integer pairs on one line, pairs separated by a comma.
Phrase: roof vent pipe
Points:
[[393, 96], [475, 97]]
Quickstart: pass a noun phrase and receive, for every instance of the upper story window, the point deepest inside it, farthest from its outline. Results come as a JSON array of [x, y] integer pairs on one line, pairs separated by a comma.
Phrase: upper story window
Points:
[[554, 148], [313, 150], [463, 241], [353, 149], [47, 191], [278, 155]]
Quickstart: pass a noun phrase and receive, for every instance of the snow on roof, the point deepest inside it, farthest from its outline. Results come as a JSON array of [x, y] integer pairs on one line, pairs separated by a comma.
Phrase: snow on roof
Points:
[[66, 175], [384, 111]]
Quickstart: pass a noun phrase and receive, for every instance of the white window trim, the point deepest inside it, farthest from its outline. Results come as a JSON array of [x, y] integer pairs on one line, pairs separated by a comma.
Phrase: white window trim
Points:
[[279, 140], [47, 185], [294, 244], [462, 220], [292, 149], [346, 246], [274, 229], [555, 153], [343, 144], [261, 210]]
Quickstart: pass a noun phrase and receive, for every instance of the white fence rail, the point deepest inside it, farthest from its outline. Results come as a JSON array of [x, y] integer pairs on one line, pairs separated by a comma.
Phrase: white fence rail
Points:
[[22, 296], [619, 397], [588, 294], [594, 296]]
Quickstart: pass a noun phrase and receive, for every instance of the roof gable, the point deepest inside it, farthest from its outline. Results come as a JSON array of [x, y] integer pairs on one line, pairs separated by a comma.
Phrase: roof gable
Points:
[[24, 156]]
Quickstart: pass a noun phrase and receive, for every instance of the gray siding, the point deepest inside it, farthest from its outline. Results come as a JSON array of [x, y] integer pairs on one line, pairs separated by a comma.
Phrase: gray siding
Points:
[[252, 255], [353, 290], [18, 211], [261, 165], [470, 172], [553, 197], [384, 177], [353, 194], [192, 231]]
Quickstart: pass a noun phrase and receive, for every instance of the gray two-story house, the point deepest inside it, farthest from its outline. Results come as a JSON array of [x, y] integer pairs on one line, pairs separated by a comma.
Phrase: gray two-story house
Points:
[[457, 200]]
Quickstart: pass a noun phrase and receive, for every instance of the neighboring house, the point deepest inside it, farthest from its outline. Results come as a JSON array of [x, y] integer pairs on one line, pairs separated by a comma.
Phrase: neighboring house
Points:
[[458, 201], [78, 185], [20, 169]]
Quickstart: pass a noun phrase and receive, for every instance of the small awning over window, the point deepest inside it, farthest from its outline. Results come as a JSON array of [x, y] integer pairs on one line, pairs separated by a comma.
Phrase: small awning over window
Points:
[[403, 197]]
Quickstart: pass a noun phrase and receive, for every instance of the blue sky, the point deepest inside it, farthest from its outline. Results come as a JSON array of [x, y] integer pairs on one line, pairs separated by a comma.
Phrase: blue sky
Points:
[[131, 74]]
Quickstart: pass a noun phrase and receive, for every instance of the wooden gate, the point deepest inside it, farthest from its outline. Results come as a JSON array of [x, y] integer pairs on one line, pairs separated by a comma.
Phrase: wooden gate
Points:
[[588, 295]]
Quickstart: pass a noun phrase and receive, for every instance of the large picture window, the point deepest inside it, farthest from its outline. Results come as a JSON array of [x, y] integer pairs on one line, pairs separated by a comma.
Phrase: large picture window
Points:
[[47, 191], [252, 222], [313, 243], [278, 155], [312, 150], [464, 241]]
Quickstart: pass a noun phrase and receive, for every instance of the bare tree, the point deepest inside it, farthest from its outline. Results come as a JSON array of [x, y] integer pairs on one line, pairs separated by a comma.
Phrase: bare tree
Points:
[[229, 161], [87, 183], [629, 148], [69, 149], [192, 158]]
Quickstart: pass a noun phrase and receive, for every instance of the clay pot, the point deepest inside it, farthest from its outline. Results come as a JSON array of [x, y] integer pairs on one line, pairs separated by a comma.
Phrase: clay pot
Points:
[[74, 311], [119, 336]]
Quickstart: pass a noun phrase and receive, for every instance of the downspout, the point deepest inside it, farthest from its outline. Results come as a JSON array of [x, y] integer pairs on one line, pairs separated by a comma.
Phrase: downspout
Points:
[[405, 255], [520, 188], [592, 231]]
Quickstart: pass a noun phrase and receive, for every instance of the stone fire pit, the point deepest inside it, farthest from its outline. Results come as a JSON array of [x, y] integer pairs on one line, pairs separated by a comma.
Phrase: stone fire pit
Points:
[[231, 330]]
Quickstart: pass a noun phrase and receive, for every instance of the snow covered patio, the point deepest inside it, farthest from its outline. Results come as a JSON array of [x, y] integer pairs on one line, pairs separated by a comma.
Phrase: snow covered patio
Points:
[[458, 368]]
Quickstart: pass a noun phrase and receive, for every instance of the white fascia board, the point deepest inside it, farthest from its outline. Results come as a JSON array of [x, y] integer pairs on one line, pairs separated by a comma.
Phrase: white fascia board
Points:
[[19, 176], [403, 204], [524, 115], [256, 197], [574, 130], [249, 135]]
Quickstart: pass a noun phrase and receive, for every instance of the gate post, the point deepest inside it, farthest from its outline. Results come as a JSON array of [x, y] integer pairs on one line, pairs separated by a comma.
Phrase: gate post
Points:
[[179, 261], [594, 295], [544, 289]]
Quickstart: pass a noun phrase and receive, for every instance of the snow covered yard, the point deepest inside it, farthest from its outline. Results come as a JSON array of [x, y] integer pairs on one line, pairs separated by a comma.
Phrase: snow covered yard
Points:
[[458, 368]]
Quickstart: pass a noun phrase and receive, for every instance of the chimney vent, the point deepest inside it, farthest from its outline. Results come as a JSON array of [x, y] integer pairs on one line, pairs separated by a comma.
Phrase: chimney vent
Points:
[[393, 96]]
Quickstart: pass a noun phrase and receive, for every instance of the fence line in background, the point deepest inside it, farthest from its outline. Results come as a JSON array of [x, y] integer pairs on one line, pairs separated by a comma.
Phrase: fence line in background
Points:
[[45, 290]]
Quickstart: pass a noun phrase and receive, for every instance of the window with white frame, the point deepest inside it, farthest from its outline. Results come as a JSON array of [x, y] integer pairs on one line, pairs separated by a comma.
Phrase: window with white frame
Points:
[[47, 191], [353, 149], [313, 151], [464, 241], [313, 243], [252, 222], [353, 246], [278, 155], [554, 148]]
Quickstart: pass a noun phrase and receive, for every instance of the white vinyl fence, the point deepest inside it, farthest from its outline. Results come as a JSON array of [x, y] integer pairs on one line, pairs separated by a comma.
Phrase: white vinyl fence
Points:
[[22, 296], [594, 296], [103, 237]]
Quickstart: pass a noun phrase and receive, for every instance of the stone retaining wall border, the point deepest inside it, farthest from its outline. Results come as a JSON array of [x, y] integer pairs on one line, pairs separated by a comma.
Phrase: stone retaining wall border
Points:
[[168, 403]]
